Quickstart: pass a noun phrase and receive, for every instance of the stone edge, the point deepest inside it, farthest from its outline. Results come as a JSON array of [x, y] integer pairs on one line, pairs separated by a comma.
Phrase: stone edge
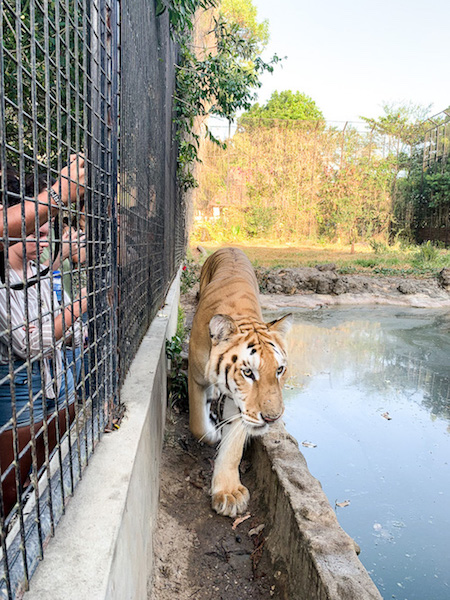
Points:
[[306, 542]]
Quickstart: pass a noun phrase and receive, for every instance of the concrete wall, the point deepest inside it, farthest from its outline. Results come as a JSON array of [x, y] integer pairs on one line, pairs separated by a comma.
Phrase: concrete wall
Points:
[[306, 541], [103, 548]]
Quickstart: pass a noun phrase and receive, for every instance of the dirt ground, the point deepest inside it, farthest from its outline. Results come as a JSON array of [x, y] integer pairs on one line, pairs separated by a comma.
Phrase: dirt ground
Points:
[[200, 555]]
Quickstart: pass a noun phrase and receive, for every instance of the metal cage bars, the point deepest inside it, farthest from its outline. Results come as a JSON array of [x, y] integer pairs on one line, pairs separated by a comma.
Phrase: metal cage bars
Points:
[[58, 84]]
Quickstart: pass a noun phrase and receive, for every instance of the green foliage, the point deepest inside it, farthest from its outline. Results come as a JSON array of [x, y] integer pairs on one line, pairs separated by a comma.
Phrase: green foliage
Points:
[[189, 275], [427, 253], [402, 121], [293, 106], [377, 247], [220, 81], [259, 221], [177, 385], [436, 184], [25, 42], [366, 262], [181, 331], [244, 14]]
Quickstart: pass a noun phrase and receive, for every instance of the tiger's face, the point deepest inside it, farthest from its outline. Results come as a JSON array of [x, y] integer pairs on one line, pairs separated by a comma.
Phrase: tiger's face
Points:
[[248, 362]]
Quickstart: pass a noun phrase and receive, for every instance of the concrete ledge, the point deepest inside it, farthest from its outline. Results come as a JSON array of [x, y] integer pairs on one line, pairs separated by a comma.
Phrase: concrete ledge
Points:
[[305, 540], [103, 546]]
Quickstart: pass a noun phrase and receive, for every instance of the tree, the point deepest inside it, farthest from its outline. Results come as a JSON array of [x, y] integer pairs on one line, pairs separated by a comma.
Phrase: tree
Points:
[[403, 122], [294, 106], [244, 14], [220, 81]]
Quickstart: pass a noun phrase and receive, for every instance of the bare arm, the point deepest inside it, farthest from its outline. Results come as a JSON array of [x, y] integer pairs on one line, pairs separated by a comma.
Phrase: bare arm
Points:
[[66, 187], [71, 314]]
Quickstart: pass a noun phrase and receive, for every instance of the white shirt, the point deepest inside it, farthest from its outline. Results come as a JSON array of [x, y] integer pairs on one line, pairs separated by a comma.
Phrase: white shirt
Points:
[[40, 321]]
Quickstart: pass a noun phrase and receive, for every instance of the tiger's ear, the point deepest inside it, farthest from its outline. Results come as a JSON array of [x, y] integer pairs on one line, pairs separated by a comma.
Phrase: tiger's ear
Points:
[[221, 327], [281, 326]]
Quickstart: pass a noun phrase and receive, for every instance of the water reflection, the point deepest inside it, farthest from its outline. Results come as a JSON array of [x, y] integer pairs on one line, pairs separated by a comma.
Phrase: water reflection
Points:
[[349, 366], [382, 351]]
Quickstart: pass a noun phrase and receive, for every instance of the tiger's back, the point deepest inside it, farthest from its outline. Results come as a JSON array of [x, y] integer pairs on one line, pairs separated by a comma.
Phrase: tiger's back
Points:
[[228, 286]]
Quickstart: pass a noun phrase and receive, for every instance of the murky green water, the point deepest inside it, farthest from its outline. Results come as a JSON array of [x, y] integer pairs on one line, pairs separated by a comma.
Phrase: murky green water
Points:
[[349, 367]]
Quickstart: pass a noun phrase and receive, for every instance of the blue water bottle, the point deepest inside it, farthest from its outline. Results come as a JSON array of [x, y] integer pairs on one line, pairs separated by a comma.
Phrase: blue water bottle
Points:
[[57, 286]]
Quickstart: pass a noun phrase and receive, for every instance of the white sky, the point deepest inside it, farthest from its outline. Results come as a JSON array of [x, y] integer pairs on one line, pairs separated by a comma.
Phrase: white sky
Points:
[[350, 56]]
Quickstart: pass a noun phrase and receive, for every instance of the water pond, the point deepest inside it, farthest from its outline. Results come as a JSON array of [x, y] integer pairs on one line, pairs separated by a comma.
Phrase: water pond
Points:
[[368, 401]]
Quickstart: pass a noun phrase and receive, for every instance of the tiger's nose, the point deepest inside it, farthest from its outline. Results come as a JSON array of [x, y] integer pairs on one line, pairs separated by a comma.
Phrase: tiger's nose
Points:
[[270, 418]]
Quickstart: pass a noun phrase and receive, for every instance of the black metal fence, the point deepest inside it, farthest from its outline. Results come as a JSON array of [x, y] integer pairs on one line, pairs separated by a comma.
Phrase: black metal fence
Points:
[[433, 211], [151, 227], [91, 235]]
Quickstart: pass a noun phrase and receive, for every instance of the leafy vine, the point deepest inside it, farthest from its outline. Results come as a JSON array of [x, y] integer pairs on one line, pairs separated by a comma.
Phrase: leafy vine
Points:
[[220, 82]]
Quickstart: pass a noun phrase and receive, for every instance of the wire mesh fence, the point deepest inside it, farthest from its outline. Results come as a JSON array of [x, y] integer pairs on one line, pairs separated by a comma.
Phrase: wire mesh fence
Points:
[[151, 214], [91, 234], [433, 210]]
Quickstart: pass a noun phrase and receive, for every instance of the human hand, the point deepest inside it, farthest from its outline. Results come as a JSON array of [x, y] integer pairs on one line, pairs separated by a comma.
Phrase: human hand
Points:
[[66, 245], [84, 300], [79, 257], [79, 249], [73, 244], [71, 176]]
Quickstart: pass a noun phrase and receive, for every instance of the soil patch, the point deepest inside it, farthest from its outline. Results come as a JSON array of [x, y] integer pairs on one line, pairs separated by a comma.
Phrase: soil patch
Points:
[[198, 554]]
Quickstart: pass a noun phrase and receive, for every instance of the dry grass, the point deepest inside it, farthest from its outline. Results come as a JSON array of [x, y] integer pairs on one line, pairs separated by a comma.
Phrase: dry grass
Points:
[[388, 261]]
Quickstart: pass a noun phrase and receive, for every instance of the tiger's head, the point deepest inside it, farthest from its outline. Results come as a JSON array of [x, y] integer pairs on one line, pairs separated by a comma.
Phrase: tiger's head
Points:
[[248, 362]]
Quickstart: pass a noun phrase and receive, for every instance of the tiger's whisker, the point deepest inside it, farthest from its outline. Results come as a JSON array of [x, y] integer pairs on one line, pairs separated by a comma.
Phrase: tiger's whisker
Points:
[[228, 420]]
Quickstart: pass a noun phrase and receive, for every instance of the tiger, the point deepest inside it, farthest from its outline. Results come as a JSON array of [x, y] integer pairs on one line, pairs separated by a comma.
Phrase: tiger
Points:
[[237, 357]]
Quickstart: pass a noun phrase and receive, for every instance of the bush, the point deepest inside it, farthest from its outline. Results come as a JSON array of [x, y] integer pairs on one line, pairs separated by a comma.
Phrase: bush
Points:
[[427, 253], [378, 247], [189, 276]]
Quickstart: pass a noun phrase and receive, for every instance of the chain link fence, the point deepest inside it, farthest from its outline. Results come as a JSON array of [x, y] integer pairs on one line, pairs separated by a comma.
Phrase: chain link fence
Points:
[[91, 235]]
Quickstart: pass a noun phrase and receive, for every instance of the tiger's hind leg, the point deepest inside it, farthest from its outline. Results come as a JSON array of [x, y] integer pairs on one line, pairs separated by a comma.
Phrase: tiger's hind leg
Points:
[[229, 496], [202, 421]]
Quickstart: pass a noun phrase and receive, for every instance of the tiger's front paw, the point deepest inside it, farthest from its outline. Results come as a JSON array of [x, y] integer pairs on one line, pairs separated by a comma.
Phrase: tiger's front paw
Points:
[[231, 502]]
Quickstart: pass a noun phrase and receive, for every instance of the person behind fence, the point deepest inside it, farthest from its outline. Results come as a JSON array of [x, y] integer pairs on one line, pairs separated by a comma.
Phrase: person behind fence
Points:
[[65, 189], [33, 325], [69, 283]]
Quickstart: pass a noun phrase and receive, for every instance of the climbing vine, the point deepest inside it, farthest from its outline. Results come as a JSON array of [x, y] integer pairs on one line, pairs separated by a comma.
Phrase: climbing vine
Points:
[[220, 82]]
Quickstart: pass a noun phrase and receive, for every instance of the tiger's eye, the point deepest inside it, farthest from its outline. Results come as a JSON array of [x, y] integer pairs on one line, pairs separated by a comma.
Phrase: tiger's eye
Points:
[[248, 373], [280, 370]]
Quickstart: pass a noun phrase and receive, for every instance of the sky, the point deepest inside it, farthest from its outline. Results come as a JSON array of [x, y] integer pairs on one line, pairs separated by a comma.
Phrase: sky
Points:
[[351, 56]]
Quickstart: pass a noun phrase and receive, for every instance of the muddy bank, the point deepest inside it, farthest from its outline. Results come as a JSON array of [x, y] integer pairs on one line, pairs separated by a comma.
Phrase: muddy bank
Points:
[[313, 286]]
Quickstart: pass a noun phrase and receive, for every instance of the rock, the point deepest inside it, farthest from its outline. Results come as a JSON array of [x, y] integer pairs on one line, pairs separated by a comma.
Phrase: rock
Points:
[[340, 286], [444, 278], [407, 287], [326, 267], [359, 285], [325, 282]]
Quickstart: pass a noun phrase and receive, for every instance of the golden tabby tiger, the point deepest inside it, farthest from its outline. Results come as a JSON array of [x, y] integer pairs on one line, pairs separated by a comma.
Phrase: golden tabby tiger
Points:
[[233, 355]]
